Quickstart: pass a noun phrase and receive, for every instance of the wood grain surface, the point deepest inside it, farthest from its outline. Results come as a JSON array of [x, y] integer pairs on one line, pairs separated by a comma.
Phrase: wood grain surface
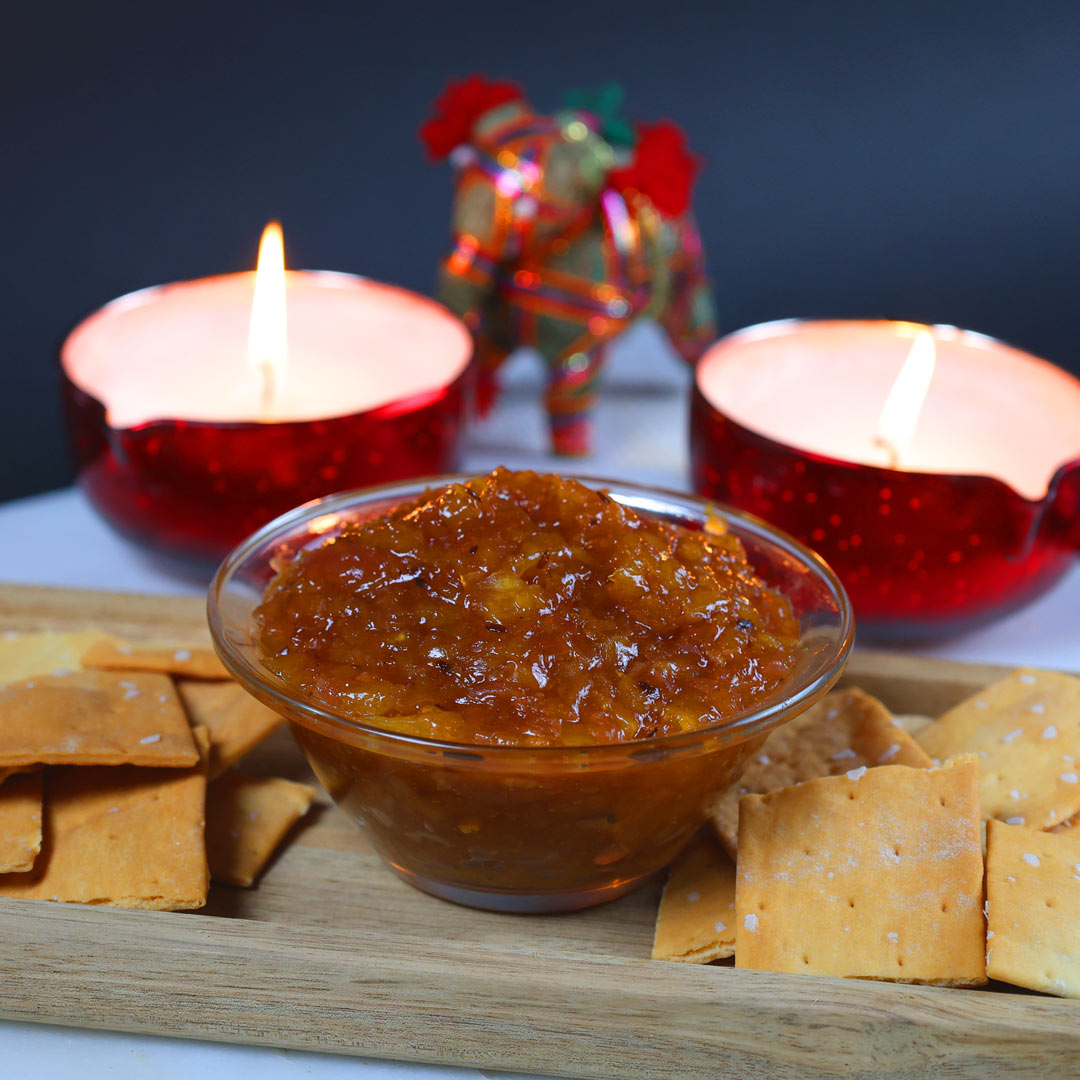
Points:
[[332, 952]]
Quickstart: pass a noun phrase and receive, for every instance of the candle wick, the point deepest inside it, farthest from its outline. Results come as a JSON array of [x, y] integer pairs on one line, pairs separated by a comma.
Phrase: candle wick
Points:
[[267, 387], [892, 455]]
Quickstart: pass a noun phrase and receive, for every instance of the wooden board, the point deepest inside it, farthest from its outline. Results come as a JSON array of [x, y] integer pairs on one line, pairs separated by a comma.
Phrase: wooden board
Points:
[[333, 952]]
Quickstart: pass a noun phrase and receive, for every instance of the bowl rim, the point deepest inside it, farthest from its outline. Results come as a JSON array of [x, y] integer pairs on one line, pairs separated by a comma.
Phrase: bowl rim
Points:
[[325, 721]]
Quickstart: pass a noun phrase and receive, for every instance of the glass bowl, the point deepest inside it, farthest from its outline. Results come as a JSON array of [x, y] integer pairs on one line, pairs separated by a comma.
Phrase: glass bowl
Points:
[[529, 829]]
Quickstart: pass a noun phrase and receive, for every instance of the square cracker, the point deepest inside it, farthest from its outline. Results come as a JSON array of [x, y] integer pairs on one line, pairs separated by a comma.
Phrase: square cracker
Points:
[[1026, 731], [189, 661], [696, 920], [877, 875], [20, 822], [94, 718], [1033, 904], [247, 817], [844, 730], [125, 837], [235, 720], [25, 656], [28, 655]]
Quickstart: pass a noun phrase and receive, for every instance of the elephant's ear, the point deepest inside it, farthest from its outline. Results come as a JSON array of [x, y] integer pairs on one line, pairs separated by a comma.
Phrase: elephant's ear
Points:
[[662, 168], [458, 108]]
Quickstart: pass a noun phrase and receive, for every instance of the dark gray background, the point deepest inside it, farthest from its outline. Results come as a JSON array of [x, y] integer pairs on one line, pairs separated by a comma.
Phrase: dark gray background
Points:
[[915, 160]]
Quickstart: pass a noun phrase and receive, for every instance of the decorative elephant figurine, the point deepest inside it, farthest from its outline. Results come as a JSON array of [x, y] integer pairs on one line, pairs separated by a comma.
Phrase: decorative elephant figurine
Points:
[[566, 229]]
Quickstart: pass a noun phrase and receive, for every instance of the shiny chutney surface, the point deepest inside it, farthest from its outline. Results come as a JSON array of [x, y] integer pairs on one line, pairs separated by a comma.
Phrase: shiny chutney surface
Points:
[[526, 610]]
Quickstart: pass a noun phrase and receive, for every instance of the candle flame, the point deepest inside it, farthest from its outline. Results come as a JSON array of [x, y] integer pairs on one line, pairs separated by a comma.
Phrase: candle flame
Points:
[[268, 342], [896, 425]]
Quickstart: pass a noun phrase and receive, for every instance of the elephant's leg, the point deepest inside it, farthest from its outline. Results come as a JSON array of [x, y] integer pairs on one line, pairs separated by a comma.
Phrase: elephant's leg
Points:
[[571, 394], [492, 344], [690, 317]]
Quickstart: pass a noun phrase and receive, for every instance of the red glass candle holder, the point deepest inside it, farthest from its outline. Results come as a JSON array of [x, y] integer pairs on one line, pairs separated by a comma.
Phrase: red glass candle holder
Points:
[[192, 489], [921, 554]]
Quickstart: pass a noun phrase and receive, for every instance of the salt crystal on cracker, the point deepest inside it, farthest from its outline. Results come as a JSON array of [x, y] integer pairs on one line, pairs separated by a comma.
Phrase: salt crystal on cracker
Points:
[[188, 661], [20, 822], [1031, 720], [876, 878], [696, 920], [247, 817], [843, 732], [91, 718], [1033, 889]]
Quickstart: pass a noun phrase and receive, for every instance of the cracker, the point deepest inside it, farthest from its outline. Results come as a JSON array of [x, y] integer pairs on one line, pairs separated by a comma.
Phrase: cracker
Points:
[[94, 718], [237, 722], [1026, 732], [25, 656], [696, 920], [126, 837], [912, 722], [1033, 904], [20, 822], [188, 661], [247, 817], [875, 875], [845, 730]]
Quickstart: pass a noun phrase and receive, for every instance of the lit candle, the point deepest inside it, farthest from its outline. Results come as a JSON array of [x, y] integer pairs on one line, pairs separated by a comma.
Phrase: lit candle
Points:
[[900, 415], [933, 467], [268, 332], [202, 409]]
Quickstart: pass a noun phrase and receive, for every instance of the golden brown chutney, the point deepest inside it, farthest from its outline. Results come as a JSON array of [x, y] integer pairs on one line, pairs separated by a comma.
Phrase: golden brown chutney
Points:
[[526, 610]]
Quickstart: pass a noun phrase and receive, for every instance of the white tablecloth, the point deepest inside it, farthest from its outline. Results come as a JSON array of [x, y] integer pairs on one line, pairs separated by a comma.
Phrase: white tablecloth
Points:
[[55, 539]]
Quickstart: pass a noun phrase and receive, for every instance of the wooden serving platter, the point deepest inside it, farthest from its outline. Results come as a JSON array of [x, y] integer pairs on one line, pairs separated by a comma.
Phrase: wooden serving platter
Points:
[[332, 952]]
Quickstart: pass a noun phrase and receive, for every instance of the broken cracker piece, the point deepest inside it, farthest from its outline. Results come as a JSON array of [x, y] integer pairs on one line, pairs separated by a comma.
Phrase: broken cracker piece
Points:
[[247, 817], [877, 875], [188, 661], [121, 836], [236, 721], [1033, 906], [20, 822], [845, 730], [94, 718], [696, 920], [1026, 731]]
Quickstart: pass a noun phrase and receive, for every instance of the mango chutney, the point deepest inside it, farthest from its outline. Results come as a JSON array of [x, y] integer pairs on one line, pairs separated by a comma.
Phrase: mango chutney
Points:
[[526, 692], [523, 610]]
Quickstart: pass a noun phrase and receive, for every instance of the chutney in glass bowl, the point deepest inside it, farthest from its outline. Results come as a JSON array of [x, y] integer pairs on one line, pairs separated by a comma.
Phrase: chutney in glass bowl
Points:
[[528, 689]]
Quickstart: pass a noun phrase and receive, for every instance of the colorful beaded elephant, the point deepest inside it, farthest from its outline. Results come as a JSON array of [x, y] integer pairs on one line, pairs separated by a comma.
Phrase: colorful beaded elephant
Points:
[[566, 229]]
